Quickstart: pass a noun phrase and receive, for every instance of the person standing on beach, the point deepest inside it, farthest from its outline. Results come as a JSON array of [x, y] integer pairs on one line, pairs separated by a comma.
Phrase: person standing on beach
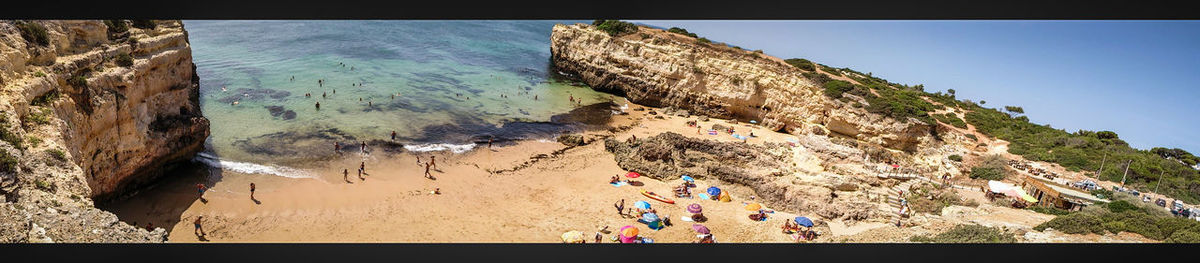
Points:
[[199, 231], [364, 146], [393, 135], [362, 168], [251, 191], [337, 147], [433, 161], [200, 188], [489, 143], [346, 175]]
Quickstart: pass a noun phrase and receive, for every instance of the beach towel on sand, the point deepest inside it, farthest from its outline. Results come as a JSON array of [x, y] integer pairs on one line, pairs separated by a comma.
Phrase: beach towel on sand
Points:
[[686, 218], [704, 196], [619, 184]]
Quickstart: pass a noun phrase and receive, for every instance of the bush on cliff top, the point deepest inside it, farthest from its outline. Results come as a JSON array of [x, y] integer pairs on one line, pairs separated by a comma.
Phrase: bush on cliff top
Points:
[[801, 64], [34, 32], [116, 25], [615, 27], [681, 31], [993, 167]]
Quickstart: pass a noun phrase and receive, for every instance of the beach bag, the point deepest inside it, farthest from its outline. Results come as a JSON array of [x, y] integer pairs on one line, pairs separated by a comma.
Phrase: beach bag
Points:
[[725, 197]]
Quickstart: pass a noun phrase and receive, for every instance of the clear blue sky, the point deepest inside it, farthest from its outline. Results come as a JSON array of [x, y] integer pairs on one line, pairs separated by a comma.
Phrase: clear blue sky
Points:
[[1140, 79]]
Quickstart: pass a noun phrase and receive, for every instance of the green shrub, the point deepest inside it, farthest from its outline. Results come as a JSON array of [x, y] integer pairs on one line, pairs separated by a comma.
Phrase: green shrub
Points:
[[968, 234], [144, 24], [1120, 206], [899, 104], [116, 26], [956, 158], [1074, 223], [830, 70], [37, 117], [681, 31], [34, 32], [835, 88], [950, 118], [703, 41], [57, 154], [47, 186], [615, 27], [972, 136], [1102, 193], [801, 64], [45, 98], [39, 74], [33, 140], [8, 162], [124, 60]]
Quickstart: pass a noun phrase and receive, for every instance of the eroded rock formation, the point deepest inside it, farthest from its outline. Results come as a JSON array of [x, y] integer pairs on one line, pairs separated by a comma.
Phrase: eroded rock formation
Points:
[[91, 113], [658, 68]]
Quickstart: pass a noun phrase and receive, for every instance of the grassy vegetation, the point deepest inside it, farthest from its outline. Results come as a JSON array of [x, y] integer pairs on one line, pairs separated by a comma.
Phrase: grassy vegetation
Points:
[[78, 81], [34, 32], [9, 136], [703, 41], [900, 104], [830, 70], [973, 137], [992, 167], [1126, 216], [801, 63], [950, 118], [37, 117], [57, 154], [39, 74], [968, 234], [34, 141], [1083, 151], [955, 157], [613, 27], [8, 162], [124, 60], [45, 99], [1014, 109]]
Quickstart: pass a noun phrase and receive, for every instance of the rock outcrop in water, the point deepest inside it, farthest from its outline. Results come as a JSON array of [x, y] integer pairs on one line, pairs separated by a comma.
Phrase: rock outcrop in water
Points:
[[90, 113], [657, 68]]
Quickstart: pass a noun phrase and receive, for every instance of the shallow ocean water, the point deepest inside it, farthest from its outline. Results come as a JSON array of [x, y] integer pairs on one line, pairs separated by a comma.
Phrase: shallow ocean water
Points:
[[454, 83]]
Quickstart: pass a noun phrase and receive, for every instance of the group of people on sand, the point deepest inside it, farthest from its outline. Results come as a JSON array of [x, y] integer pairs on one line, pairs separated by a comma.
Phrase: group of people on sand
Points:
[[199, 229]]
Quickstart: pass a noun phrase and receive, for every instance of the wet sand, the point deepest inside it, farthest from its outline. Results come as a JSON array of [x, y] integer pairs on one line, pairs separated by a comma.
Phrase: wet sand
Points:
[[395, 204]]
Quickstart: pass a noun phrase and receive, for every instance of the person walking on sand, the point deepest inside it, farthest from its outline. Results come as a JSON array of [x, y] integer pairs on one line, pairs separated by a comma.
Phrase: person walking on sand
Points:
[[199, 231], [433, 161], [364, 146], [489, 143], [362, 168], [427, 174], [346, 175], [251, 191], [620, 205], [337, 147]]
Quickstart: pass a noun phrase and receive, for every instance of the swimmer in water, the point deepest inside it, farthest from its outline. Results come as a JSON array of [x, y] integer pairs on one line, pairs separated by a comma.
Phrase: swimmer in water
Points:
[[224, 89]]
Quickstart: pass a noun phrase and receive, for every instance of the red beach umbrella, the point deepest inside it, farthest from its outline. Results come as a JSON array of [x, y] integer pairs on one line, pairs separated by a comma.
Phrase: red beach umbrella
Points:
[[632, 175]]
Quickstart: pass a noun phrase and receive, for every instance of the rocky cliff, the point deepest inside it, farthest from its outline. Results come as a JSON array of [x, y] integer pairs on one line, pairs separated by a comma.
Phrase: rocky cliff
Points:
[[658, 68], [90, 109]]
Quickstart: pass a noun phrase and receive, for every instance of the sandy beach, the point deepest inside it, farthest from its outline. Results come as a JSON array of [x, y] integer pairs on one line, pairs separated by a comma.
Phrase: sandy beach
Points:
[[395, 204]]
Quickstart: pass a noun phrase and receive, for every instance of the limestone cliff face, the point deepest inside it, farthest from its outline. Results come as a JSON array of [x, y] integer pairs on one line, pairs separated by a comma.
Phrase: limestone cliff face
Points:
[[90, 125], [658, 68]]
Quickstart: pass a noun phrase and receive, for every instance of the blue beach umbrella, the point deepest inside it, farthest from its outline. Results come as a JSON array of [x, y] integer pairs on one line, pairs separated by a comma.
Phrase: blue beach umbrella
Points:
[[753, 121], [714, 191], [641, 205], [688, 179], [804, 221], [650, 217]]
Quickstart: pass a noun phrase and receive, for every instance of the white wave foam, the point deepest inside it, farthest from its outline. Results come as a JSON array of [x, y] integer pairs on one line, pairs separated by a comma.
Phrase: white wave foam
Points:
[[434, 147], [251, 168]]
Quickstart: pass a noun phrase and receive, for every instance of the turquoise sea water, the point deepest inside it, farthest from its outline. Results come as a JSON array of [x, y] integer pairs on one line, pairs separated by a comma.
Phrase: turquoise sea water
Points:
[[455, 83]]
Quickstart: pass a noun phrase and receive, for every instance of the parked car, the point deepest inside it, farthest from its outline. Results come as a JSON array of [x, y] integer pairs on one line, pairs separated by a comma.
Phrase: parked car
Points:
[[1134, 193], [1160, 202], [1146, 199], [1177, 205]]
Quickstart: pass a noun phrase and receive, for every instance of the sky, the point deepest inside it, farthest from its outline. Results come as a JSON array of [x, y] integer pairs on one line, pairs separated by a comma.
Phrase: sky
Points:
[[1137, 78]]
